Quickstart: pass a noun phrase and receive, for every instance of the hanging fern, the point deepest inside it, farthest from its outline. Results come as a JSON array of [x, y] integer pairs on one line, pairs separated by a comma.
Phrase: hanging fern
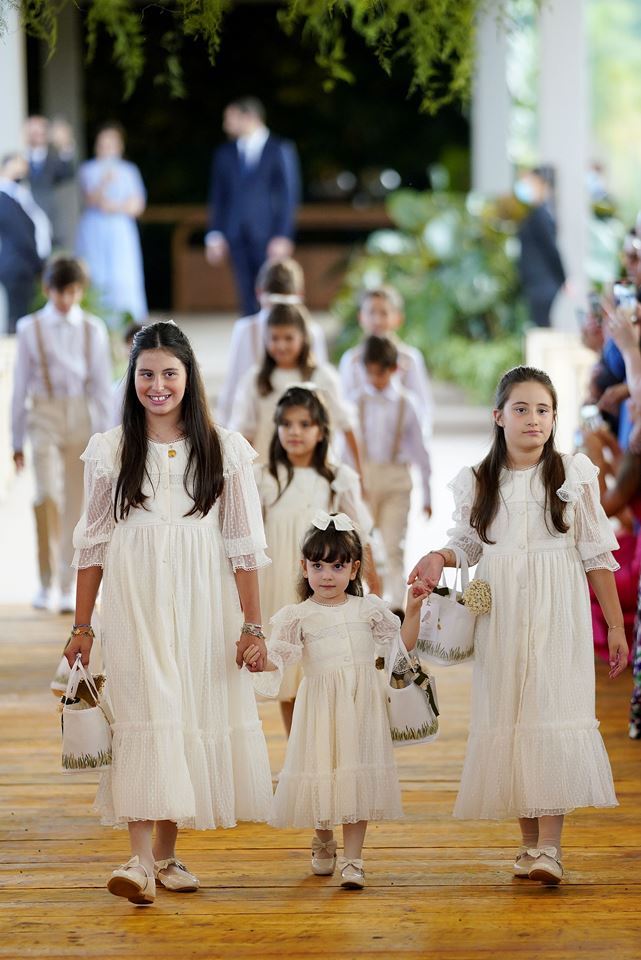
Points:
[[435, 37]]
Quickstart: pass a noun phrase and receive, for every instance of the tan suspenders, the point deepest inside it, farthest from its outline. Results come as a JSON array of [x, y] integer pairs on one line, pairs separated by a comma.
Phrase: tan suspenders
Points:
[[398, 432], [42, 355]]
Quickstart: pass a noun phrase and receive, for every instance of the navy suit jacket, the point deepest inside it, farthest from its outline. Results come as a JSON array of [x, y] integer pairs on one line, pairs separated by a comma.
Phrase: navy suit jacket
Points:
[[45, 177], [18, 252], [540, 265], [259, 203]]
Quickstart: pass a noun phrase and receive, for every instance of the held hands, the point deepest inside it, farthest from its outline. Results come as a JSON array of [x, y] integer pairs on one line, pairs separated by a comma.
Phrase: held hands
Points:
[[258, 656], [618, 648], [418, 592], [427, 572]]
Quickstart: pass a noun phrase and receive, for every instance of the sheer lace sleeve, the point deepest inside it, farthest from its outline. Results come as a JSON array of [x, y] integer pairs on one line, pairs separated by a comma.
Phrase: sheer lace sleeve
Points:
[[95, 527], [285, 648], [595, 539], [241, 517], [348, 499], [385, 624], [462, 535]]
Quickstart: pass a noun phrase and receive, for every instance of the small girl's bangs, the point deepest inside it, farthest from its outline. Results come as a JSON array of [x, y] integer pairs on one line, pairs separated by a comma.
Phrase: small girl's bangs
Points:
[[332, 546]]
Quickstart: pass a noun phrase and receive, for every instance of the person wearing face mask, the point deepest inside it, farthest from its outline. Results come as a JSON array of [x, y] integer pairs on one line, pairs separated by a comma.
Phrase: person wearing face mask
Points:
[[540, 266], [25, 238]]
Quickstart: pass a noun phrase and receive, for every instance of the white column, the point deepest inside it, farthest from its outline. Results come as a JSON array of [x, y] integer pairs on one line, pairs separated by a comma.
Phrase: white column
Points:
[[491, 169], [13, 83], [563, 139]]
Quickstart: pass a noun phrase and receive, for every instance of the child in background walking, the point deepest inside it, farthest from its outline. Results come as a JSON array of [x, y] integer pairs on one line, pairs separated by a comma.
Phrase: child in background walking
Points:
[[532, 520], [278, 281], [287, 359], [339, 766], [172, 517], [299, 479], [381, 315], [61, 395], [391, 442]]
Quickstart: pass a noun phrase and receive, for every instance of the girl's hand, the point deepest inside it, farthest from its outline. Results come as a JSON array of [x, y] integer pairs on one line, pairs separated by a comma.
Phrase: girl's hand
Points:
[[618, 648], [418, 592], [246, 642], [428, 570], [251, 656], [82, 644], [624, 333]]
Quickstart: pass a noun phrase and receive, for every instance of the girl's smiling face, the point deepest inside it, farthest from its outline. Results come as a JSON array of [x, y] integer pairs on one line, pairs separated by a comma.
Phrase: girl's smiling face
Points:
[[161, 379], [284, 345], [527, 418], [329, 580], [299, 435]]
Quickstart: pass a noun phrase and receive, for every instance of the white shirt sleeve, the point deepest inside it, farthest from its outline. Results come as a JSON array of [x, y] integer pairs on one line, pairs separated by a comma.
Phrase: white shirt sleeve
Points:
[[347, 373], [417, 452], [319, 343], [100, 388], [21, 376], [241, 358], [244, 413], [417, 381], [341, 412]]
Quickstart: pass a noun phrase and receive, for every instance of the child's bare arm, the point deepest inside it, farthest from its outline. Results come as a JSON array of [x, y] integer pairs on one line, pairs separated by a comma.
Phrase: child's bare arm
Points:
[[411, 624], [604, 586]]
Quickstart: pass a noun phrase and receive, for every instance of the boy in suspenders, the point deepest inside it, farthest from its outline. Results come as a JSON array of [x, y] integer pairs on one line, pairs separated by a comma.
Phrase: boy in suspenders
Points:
[[62, 394], [392, 440]]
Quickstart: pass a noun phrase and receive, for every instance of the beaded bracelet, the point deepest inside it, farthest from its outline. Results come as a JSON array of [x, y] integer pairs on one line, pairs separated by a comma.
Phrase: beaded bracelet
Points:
[[253, 629]]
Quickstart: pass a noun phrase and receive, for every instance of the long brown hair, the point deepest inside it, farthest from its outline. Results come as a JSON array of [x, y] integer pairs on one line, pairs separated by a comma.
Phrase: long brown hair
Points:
[[332, 546], [488, 472], [310, 401], [204, 474], [287, 315]]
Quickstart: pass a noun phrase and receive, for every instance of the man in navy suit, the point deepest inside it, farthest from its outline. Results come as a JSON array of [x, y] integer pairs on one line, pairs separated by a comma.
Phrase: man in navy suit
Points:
[[255, 189], [50, 152]]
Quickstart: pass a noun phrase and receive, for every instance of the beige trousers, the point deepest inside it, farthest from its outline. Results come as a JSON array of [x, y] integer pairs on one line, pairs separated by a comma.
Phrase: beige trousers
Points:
[[388, 487], [59, 429]]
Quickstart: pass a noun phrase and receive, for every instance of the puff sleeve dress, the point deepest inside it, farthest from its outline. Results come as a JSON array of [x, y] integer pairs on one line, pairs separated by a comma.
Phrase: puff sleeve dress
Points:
[[187, 741], [534, 747], [339, 765], [288, 515]]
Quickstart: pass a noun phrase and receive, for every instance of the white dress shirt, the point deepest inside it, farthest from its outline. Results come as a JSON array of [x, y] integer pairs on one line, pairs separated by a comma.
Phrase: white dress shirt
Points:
[[378, 430], [412, 374], [251, 147], [63, 338], [246, 351]]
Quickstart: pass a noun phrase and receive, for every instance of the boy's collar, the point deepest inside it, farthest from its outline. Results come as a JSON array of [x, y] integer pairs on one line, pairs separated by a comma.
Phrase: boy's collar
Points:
[[74, 316]]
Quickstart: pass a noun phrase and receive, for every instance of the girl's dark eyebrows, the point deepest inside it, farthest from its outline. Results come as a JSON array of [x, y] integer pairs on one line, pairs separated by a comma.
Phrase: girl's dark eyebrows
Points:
[[524, 403]]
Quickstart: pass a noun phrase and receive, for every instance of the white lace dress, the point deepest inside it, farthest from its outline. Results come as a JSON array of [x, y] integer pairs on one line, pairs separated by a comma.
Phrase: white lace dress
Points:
[[187, 741], [534, 747], [339, 765], [287, 519]]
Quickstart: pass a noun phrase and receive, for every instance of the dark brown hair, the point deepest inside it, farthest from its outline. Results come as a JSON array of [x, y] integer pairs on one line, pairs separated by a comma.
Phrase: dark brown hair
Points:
[[287, 315], [488, 472], [386, 292], [332, 546], [381, 352], [281, 276], [310, 401], [62, 271], [204, 474]]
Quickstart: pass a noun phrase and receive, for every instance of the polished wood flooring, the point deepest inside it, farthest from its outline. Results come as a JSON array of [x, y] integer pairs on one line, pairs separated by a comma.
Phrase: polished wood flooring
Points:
[[436, 888]]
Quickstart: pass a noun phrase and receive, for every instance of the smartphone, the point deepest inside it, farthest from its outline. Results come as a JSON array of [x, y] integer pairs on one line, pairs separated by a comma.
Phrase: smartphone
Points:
[[625, 298], [591, 417]]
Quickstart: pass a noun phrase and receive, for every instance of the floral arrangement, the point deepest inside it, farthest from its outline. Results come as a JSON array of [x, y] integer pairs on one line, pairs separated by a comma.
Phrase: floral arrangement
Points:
[[477, 596]]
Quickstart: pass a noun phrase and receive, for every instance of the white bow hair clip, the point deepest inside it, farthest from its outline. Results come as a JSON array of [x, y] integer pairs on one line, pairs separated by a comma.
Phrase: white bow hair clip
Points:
[[289, 299], [341, 521]]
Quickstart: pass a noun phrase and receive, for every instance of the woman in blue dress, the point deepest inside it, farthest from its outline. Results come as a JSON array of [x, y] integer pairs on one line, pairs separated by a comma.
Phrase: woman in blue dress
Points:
[[107, 238]]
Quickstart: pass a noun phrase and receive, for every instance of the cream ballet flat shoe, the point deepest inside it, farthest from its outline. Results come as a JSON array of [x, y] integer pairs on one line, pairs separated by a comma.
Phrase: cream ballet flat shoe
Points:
[[180, 880], [524, 861], [546, 867], [352, 873], [127, 881], [323, 866]]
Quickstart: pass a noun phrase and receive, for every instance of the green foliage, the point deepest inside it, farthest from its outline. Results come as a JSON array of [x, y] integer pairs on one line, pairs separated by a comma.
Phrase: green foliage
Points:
[[453, 259], [435, 37]]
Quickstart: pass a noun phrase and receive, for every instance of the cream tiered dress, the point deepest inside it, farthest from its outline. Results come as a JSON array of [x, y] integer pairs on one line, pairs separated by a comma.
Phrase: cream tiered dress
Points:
[[187, 741], [288, 514], [339, 766], [534, 747]]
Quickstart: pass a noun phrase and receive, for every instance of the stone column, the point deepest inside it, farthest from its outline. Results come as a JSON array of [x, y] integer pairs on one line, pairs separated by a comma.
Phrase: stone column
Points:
[[491, 169], [563, 140], [13, 84]]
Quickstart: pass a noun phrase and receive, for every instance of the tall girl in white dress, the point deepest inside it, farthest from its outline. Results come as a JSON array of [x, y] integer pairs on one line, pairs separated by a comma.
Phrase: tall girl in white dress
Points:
[[298, 480], [339, 766], [288, 359], [532, 520], [172, 528]]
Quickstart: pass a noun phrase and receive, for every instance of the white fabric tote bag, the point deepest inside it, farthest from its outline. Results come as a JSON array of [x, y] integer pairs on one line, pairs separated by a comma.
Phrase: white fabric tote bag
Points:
[[412, 704], [446, 634], [86, 733]]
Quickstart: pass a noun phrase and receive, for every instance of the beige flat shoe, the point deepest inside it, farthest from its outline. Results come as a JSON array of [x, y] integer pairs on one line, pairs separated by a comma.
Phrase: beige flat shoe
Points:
[[546, 867], [323, 866], [524, 861], [179, 880], [352, 873], [132, 881]]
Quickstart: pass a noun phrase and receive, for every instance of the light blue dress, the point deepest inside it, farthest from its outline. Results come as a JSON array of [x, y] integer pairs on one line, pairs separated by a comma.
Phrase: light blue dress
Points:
[[110, 242]]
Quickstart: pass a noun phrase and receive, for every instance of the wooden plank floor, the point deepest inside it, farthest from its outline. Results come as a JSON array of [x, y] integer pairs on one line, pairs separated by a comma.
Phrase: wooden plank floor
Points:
[[436, 887]]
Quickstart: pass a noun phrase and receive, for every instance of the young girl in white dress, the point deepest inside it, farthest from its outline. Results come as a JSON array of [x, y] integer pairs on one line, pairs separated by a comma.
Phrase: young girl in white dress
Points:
[[172, 527], [339, 766], [298, 480], [532, 520], [288, 359]]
